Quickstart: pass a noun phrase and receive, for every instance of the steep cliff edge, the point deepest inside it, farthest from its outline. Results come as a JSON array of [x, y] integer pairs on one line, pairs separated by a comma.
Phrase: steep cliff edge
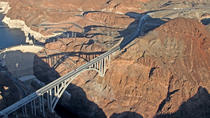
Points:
[[162, 70], [165, 73]]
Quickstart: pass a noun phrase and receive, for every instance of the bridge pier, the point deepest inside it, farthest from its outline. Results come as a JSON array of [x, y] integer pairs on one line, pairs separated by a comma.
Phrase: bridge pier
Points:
[[54, 94], [49, 95], [41, 105], [105, 65], [24, 111], [49, 100], [101, 66]]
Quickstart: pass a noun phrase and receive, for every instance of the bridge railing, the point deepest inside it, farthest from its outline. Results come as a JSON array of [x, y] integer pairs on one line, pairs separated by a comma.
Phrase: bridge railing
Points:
[[57, 87]]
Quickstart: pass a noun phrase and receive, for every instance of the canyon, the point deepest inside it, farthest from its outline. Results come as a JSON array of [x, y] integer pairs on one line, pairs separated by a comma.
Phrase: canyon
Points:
[[164, 72]]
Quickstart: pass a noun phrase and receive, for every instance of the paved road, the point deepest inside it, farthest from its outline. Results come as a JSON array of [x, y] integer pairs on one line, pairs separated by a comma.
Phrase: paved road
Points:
[[69, 76]]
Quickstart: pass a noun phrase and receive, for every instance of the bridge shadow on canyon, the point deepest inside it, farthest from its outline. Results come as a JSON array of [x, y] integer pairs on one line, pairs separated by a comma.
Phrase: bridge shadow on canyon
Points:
[[130, 34], [56, 59], [198, 106], [126, 34], [80, 105]]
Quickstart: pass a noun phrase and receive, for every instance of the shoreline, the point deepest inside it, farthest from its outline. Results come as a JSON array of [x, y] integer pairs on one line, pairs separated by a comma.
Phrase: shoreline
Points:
[[23, 27], [20, 24]]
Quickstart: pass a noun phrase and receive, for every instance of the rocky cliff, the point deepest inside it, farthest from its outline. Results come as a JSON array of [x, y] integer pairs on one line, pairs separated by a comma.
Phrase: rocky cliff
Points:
[[162, 74], [165, 72], [44, 19]]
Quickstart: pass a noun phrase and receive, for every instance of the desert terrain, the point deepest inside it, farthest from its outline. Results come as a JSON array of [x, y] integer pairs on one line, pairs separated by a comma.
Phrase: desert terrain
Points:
[[164, 72]]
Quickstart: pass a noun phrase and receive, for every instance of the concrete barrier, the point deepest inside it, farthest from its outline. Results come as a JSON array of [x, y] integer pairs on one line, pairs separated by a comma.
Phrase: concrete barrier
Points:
[[24, 48]]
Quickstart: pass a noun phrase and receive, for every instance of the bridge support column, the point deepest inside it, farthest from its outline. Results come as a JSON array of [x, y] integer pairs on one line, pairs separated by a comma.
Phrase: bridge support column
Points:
[[49, 101], [43, 109], [97, 65], [24, 111], [109, 59], [56, 93], [41, 105], [32, 107], [105, 65], [101, 65], [101, 69]]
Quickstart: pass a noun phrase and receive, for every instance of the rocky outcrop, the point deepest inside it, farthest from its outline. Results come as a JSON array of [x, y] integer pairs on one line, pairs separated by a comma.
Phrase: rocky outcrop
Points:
[[190, 66], [164, 73], [156, 75], [161, 71]]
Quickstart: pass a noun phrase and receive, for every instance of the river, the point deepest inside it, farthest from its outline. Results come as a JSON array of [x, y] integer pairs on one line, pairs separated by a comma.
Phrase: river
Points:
[[10, 37]]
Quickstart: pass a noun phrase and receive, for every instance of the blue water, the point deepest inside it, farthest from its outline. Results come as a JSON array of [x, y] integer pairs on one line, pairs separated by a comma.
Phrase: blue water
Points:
[[10, 37]]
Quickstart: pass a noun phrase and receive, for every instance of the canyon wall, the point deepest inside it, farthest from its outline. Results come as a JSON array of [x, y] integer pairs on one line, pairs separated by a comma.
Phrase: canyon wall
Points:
[[162, 74]]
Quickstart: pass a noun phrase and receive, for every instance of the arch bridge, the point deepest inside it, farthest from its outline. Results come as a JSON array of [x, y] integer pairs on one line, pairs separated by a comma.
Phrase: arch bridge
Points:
[[46, 98]]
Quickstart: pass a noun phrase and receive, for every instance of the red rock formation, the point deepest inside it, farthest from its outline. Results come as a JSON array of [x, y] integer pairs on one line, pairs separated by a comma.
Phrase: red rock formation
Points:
[[64, 14], [156, 75], [175, 59]]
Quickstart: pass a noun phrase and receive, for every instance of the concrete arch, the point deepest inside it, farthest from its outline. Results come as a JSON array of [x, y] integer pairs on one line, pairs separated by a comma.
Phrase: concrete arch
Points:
[[55, 89]]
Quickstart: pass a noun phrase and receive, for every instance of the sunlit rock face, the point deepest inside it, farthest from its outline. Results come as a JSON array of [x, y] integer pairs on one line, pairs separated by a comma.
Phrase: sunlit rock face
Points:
[[159, 75], [164, 73]]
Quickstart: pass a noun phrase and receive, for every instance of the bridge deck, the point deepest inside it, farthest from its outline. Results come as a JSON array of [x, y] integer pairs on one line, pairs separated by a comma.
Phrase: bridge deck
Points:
[[69, 76]]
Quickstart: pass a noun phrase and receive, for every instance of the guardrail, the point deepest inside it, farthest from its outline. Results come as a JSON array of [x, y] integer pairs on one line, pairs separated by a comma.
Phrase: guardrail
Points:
[[53, 91]]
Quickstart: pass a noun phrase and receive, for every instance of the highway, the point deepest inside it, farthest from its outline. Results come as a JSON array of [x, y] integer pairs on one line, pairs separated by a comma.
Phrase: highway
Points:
[[69, 76]]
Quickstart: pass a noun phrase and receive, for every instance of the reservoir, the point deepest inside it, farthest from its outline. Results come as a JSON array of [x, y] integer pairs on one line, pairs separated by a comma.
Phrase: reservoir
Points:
[[10, 37]]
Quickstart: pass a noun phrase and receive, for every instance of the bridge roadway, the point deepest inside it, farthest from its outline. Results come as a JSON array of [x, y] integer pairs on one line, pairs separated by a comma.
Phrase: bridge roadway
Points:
[[57, 87], [65, 80], [56, 82]]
